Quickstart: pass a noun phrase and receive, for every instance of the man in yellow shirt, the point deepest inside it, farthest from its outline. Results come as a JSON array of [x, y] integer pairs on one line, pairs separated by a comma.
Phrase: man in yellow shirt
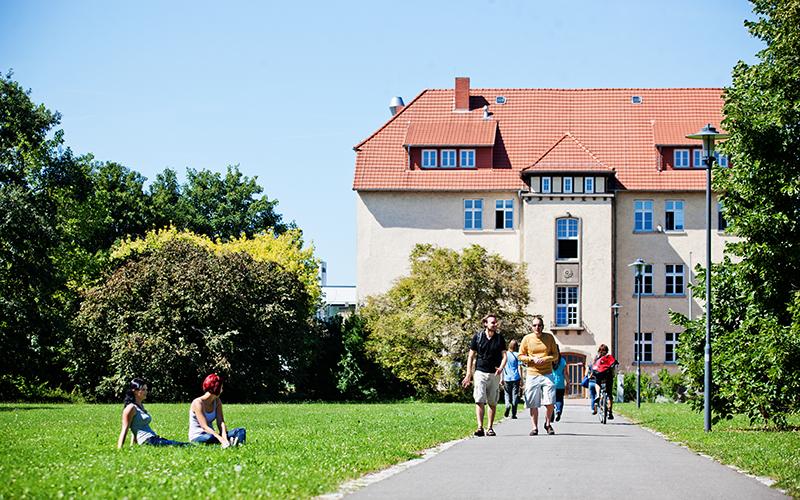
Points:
[[538, 351]]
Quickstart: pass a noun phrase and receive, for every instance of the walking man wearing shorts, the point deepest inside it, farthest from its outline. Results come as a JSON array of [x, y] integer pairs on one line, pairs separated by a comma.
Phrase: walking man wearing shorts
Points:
[[487, 358], [538, 351]]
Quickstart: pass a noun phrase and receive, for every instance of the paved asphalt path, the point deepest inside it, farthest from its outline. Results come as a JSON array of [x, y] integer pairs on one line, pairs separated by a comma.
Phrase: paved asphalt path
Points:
[[584, 460]]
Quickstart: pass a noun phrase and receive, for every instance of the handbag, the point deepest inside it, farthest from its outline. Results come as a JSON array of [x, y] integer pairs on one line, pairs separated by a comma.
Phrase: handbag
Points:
[[585, 381]]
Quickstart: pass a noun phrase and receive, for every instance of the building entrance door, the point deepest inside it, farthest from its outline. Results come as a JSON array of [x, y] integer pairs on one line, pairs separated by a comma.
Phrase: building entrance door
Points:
[[576, 367]]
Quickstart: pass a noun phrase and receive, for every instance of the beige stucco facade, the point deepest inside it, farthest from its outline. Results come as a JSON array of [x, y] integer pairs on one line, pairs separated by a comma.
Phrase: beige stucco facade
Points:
[[391, 223], [591, 272], [660, 248]]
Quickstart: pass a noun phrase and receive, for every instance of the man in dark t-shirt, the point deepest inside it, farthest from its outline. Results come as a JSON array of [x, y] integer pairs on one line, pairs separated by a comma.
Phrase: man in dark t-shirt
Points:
[[487, 358]]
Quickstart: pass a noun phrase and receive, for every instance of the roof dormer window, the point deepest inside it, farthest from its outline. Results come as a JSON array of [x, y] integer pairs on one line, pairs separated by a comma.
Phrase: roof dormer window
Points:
[[467, 158], [429, 158], [448, 158]]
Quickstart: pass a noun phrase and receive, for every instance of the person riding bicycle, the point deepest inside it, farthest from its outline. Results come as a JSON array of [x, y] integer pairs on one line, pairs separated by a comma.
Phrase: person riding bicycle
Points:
[[602, 369]]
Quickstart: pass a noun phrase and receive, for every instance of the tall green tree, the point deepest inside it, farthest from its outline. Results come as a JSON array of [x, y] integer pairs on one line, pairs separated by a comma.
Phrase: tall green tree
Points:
[[420, 329], [756, 294], [217, 206], [177, 312], [31, 165]]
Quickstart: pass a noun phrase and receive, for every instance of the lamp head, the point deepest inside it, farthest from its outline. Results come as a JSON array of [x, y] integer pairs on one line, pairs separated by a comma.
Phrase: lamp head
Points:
[[638, 266], [709, 135]]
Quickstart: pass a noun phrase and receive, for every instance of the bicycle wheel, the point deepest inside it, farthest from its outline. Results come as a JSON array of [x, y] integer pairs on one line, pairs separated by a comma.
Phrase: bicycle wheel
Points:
[[603, 408]]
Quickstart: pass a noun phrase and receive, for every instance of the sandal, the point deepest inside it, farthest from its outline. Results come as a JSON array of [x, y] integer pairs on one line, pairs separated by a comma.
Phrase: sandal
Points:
[[490, 432], [478, 432], [549, 429], [534, 432]]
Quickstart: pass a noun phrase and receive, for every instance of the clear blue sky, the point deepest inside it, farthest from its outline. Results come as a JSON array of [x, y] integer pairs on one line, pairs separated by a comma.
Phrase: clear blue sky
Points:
[[286, 89]]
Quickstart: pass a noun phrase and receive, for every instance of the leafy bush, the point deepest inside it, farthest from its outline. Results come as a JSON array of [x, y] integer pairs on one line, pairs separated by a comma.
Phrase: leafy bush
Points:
[[180, 311], [649, 388], [18, 388], [359, 377], [671, 385], [420, 329]]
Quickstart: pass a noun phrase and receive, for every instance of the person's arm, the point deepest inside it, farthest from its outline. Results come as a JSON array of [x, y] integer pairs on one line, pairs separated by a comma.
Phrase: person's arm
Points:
[[550, 355], [502, 363], [223, 429], [127, 418], [523, 353], [197, 408], [470, 361]]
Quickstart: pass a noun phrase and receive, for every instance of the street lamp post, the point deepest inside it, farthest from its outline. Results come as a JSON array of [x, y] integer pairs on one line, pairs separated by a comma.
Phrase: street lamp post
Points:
[[708, 135], [616, 307], [638, 269]]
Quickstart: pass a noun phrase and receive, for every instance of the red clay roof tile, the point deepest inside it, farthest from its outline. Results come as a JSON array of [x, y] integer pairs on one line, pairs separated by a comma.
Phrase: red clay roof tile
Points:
[[456, 132], [605, 127]]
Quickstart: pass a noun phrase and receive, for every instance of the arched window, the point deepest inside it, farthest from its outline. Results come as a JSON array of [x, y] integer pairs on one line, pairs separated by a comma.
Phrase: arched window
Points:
[[567, 238]]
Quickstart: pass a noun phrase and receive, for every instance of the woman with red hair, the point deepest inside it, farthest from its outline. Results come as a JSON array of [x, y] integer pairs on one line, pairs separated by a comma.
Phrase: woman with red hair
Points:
[[205, 410]]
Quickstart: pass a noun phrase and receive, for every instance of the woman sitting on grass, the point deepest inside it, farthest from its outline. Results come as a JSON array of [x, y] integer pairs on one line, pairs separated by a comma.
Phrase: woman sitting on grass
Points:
[[205, 410], [136, 418]]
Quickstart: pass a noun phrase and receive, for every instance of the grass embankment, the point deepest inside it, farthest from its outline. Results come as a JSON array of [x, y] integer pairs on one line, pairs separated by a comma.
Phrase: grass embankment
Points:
[[774, 454], [291, 451]]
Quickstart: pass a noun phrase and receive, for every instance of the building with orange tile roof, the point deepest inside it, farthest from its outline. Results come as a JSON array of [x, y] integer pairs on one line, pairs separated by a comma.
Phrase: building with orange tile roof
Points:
[[575, 183]]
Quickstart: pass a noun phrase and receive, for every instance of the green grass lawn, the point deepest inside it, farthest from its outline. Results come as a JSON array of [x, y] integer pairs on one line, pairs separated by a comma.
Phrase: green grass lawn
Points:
[[735, 442], [297, 450]]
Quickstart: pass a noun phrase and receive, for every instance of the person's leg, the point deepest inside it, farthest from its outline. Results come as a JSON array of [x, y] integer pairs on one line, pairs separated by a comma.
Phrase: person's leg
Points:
[[536, 400], [508, 396], [479, 411], [592, 395], [609, 386], [239, 433], [492, 395], [559, 403], [548, 398], [479, 395], [159, 441], [514, 398], [206, 438]]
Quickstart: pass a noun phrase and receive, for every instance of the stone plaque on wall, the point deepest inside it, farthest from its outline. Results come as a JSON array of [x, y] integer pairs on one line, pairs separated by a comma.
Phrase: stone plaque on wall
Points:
[[568, 273]]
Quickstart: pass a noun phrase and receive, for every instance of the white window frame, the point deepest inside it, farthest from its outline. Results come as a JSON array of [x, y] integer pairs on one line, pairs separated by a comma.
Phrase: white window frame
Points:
[[671, 341], [568, 301], [506, 207], [684, 156], [647, 280], [643, 207], [467, 158], [722, 223], [427, 156], [565, 183], [473, 213], [722, 160], [549, 187], [569, 225], [677, 209], [452, 160], [675, 276], [646, 347], [697, 158], [588, 185]]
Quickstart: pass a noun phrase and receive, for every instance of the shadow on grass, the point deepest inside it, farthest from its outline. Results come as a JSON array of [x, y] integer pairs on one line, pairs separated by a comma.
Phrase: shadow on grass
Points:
[[790, 428], [23, 408]]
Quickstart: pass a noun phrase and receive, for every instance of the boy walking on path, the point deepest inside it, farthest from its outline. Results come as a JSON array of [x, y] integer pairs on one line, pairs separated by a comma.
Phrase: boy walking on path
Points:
[[538, 351], [487, 359], [512, 375]]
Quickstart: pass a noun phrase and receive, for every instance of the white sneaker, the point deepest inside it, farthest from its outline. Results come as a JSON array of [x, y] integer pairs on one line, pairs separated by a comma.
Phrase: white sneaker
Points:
[[234, 441]]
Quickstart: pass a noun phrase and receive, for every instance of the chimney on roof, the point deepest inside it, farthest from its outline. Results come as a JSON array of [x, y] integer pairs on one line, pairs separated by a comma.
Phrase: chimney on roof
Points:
[[396, 105], [462, 94]]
